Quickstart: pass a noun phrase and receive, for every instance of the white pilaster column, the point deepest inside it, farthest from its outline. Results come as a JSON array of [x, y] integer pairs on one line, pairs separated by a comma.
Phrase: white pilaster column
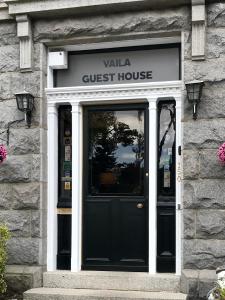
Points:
[[76, 188], [152, 184], [178, 187], [52, 186], [24, 33], [198, 29]]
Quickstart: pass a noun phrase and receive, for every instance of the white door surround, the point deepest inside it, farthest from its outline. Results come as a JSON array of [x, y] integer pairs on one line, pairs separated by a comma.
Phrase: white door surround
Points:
[[107, 94]]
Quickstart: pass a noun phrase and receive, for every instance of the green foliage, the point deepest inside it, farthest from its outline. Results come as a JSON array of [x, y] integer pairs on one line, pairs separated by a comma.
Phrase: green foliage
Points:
[[221, 293], [4, 236]]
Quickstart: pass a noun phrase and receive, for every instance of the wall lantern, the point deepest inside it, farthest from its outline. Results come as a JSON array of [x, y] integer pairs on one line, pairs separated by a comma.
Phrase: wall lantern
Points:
[[25, 103], [194, 93]]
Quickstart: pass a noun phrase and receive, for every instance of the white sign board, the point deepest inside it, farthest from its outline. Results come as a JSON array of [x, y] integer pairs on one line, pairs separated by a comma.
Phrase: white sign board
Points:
[[120, 67]]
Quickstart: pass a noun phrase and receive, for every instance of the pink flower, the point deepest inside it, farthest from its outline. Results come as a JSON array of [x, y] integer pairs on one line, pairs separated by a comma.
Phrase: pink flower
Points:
[[221, 153], [3, 153]]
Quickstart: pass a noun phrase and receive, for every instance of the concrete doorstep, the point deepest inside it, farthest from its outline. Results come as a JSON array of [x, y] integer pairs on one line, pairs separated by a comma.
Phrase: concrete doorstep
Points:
[[105, 280], [87, 294]]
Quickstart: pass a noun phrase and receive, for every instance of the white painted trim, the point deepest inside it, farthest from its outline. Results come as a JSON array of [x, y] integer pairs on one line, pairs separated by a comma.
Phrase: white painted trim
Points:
[[52, 186], [178, 187], [152, 184], [76, 190], [116, 92], [124, 93]]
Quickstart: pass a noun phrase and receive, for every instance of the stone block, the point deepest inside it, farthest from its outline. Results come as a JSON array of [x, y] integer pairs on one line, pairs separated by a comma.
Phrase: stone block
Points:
[[18, 222], [216, 15], [203, 254], [189, 198], [25, 196], [23, 251], [36, 272], [210, 223], [197, 283], [204, 134], [207, 280], [189, 283], [23, 168], [35, 224], [5, 199], [44, 223], [142, 21], [215, 42], [43, 170], [8, 33], [208, 70], [13, 82], [189, 223], [190, 164], [9, 112], [212, 91], [24, 141], [21, 278], [16, 169], [207, 193], [210, 167], [17, 285], [9, 61], [43, 257], [212, 103], [35, 169]]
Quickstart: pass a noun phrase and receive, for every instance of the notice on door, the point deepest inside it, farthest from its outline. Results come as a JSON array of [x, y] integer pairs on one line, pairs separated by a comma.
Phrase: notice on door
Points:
[[120, 67]]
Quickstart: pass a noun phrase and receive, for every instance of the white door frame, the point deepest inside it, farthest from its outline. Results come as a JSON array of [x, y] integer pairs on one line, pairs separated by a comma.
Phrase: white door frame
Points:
[[107, 94]]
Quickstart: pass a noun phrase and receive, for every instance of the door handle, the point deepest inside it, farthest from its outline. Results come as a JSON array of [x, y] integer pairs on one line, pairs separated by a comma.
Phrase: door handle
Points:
[[140, 205]]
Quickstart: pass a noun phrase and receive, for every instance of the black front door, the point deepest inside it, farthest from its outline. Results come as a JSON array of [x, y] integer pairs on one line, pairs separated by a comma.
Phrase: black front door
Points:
[[115, 208]]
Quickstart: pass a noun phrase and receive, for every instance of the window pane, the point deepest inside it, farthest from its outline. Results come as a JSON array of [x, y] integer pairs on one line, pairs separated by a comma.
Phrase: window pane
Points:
[[65, 156], [116, 152]]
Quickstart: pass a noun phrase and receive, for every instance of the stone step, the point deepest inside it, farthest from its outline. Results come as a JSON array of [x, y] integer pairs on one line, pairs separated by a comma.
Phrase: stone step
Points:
[[125, 281], [87, 294]]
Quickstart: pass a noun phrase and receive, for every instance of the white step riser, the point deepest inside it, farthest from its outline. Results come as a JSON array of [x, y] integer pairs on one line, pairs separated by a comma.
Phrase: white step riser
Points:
[[73, 294], [112, 281]]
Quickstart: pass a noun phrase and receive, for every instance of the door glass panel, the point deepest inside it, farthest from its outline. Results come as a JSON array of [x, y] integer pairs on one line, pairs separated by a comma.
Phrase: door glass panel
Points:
[[116, 152], [166, 156]]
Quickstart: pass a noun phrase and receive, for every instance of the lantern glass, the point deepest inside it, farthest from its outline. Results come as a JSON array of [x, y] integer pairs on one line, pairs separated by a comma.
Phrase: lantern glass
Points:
[[194, 91], [25, 101]]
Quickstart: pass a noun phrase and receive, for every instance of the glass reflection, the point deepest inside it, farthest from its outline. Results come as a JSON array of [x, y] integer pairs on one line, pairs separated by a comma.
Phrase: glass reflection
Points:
[[116, 152], [166, 155]]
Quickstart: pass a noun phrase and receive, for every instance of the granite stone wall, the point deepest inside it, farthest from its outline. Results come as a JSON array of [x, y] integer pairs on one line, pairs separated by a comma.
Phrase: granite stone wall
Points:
[[23, 174], [204, 176]]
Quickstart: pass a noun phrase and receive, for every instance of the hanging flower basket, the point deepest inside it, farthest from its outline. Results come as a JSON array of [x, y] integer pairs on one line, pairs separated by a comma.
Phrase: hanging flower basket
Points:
[[221, 153], [3, 153]]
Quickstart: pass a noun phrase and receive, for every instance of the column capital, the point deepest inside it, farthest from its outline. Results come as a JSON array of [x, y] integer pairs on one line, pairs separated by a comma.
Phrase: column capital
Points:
[[52, 109], [76, 107], [152, 103]]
